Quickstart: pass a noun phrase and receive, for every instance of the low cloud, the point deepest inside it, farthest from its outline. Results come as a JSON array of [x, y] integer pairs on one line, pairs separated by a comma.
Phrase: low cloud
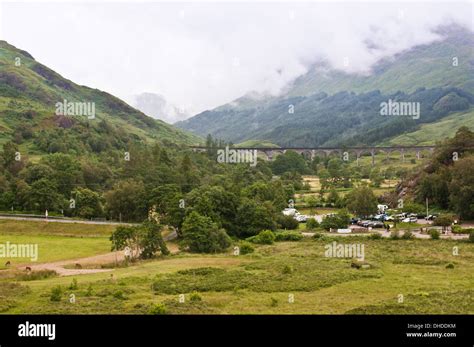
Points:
[[202, 55]]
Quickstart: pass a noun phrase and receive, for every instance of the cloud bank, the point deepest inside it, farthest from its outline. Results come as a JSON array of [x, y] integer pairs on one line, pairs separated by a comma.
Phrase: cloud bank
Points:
[[202, 55]]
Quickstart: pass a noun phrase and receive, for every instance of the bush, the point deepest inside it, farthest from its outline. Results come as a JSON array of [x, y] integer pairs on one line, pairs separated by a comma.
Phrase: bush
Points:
[[434, 234], [246, 248], [407, 235], [119, 295], [288, 269], [457, 229], [395, 235], [89, 291], [312, 224], [318, 236], [450, 266], [375, 236], [202, 235], [288, 236], [265, 237], [158, 309], [195, 297], [37, 275], [287, 222], [471, 237], [73, 285], [56, 293], [337, 221]]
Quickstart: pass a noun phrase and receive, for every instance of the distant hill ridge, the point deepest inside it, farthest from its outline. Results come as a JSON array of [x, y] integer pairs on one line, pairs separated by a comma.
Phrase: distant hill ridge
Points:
[[337, 108]]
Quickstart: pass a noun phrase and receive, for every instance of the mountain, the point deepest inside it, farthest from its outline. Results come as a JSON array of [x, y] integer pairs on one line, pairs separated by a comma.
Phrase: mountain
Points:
[[156, 106], [30, 96], [328, 107]]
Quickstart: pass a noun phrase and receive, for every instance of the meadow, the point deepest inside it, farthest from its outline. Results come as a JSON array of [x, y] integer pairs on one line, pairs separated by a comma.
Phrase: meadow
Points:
[[282, 278]]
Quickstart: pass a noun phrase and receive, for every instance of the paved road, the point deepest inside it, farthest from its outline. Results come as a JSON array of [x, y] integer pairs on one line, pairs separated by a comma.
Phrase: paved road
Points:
[[62, 220]]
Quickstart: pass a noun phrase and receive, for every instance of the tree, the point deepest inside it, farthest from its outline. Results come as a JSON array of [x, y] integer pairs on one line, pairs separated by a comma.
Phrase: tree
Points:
[[336, 221], [11, 158], [362, 201], [289, 161], [253, 218], [44, 196], [201, 235], [127, 199], [444, 221], [333, 197], [143, 240], [461, 187], [87, 203]]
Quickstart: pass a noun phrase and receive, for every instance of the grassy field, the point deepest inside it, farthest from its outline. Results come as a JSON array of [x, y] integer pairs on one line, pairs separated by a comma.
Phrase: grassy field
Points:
[[56, 241], [262, 282]]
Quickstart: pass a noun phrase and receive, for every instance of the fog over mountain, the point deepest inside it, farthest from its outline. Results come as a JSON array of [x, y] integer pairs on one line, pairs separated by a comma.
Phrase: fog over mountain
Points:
[[156, 106], [202, 55]]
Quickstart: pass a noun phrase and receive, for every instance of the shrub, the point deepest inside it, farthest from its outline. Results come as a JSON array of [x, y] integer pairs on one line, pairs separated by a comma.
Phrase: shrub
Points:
[[287, 222], [89, 291], [288, 236], [265, 237], [450, 266], [37, 275], [246, 248], [288, 269], [375, 236], [158, 309], [337, 221], [317, 236], [407, 235], [73, 285], [395, 235], [457, 229], [471, 236], [202, 235], [312, 223], [56, 293], [273, 302], [195, 297], [434, 234], [119, 295]]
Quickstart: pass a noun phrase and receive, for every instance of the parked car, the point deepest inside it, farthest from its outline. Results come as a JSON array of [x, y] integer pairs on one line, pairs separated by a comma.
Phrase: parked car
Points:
[[379, 217], [431, 217], [301, 218], [376, 224], [355, 220]]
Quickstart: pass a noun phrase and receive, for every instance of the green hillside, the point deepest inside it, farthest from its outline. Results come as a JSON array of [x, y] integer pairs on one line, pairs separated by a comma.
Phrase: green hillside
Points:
[[428, 134], [256, 143], [29, 92], [327, 107], [427, 66]]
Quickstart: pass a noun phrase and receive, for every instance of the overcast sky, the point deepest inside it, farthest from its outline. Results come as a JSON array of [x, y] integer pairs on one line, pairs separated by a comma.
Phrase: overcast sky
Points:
[[202, 55]]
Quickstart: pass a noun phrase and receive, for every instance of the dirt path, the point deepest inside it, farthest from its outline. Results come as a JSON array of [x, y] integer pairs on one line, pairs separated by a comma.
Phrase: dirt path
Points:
[[97, 260], [59, 266]]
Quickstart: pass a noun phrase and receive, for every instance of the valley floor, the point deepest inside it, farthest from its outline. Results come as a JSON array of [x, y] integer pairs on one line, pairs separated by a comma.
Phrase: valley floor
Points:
[[404, 276]]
